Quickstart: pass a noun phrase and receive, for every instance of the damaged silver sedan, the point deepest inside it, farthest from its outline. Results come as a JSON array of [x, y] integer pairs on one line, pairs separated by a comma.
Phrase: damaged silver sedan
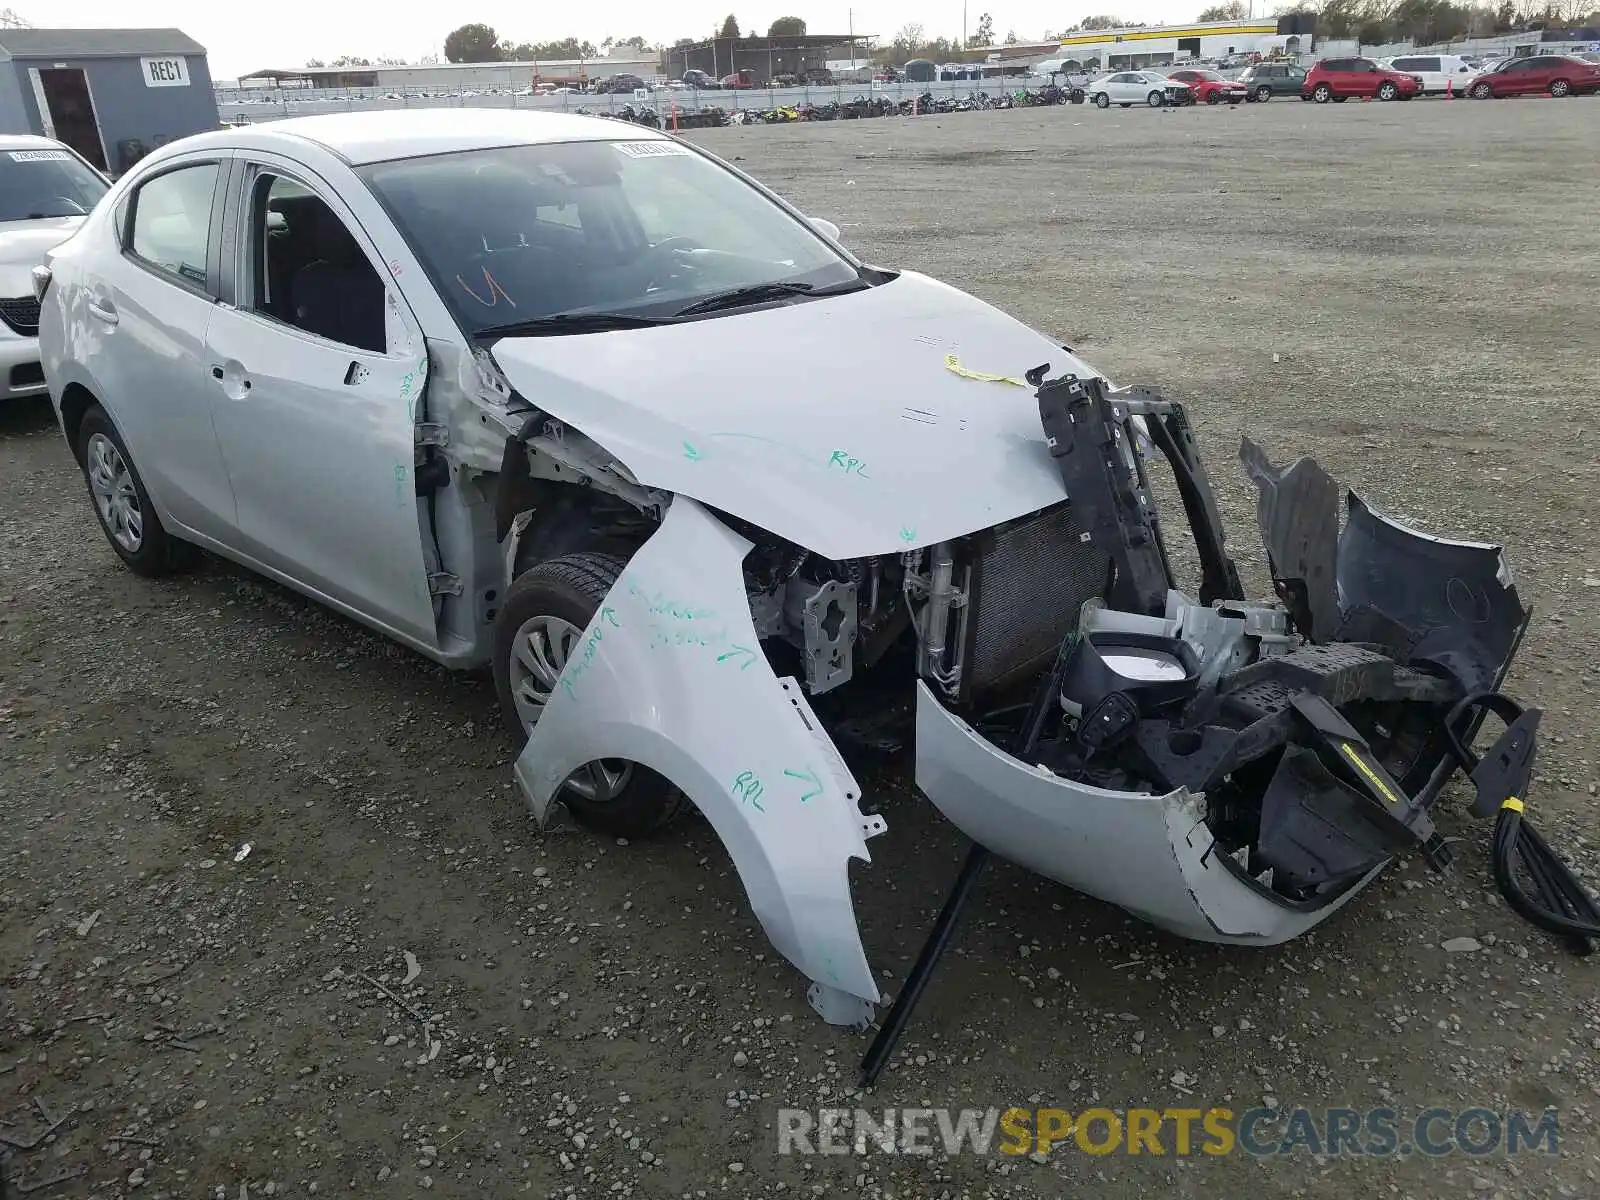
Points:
[[715, 498]]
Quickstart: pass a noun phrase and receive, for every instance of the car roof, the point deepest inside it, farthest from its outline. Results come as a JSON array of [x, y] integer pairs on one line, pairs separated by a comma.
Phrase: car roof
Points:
[[366, 137], [28, 141]]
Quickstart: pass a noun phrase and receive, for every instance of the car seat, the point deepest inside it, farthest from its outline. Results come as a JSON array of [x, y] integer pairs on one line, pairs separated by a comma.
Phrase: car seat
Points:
[[338, 295]]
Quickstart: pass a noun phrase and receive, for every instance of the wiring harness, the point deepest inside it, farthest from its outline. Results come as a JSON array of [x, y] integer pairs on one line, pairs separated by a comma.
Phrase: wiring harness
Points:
[[1536, 883]]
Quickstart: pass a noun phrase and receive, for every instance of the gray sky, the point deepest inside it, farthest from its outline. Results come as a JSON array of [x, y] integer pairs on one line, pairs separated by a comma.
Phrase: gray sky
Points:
[[287, 32]]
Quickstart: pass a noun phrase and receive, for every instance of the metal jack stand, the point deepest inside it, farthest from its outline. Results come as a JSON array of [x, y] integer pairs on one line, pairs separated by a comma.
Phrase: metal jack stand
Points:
[[877, 1055]]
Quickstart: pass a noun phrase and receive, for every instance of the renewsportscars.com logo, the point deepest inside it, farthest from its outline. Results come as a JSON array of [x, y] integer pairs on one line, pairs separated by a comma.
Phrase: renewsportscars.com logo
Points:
[[1257, 1132]]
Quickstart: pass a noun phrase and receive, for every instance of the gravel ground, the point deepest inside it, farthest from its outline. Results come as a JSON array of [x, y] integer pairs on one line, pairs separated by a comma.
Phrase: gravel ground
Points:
[[403, 986]]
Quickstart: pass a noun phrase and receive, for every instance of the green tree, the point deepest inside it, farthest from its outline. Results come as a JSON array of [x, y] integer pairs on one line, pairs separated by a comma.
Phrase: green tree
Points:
[[787, 27], [730, 27], [1090, 24], [472, 43], [1234, 10], [984, 34], [313, 63], [348, 60]]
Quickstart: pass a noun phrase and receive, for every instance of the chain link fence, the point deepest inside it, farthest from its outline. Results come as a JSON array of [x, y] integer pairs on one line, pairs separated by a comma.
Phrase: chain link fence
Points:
[[278, 104]]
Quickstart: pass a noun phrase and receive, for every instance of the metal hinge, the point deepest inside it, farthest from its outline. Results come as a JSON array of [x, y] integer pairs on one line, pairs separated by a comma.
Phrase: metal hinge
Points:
[[442, 583], [432, 435]]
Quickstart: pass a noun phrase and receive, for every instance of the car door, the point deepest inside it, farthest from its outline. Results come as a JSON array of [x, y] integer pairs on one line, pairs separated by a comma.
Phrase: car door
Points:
[[1521, 77], [1289, 79], [316, 368], [148, 310], [1117, 87]]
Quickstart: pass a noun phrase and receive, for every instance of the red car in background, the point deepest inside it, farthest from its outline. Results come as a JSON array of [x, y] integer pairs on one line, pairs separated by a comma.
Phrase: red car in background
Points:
[[739, 80], [1210, 88], [1338, 79], [1557, 74]]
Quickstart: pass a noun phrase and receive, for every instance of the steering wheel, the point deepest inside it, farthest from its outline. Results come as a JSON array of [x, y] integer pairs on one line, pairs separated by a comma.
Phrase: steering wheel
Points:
[[658, 266]]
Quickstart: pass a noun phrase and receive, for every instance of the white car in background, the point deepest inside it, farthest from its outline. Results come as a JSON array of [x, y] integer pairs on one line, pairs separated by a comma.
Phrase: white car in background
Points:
[[1128, 88], [1438, 72], [46, 190]]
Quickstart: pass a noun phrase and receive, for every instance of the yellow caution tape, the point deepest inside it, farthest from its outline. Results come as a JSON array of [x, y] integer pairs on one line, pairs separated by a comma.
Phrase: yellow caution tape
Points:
[[1513, 804], [954, 364]]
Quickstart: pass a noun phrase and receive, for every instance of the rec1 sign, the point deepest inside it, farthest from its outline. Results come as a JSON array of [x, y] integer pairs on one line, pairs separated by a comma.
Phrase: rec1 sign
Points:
[[165, 72]]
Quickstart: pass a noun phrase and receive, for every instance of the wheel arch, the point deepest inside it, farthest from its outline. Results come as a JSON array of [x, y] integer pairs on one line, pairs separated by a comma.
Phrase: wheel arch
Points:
[[76, 401]]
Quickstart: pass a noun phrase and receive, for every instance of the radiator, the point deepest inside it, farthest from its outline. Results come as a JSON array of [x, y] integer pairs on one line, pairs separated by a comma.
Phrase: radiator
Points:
[[1029, 581]]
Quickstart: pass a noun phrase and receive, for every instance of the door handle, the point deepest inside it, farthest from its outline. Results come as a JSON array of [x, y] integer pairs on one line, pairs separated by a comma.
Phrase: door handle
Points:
[[241, 385], [103, 311]]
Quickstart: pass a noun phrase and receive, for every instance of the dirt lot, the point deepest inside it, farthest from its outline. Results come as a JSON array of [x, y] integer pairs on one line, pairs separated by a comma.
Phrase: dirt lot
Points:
[[1405, 291]]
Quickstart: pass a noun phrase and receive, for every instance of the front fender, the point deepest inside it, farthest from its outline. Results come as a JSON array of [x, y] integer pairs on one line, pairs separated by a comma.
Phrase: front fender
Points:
[[670, 674]]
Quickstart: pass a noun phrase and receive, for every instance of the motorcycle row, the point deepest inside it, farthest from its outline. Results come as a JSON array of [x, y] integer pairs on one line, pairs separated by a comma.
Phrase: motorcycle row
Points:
[[861, 108]]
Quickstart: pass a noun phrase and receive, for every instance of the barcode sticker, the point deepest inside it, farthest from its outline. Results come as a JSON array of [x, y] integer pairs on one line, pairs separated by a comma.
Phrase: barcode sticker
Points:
[[40, 156], [650, 149]]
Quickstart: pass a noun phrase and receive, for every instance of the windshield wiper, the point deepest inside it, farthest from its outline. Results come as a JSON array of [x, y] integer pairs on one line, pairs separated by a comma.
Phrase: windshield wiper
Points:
[[757, 293], [573, 322]]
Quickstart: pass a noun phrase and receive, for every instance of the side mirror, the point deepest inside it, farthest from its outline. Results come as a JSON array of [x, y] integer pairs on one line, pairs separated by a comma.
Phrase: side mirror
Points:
[[826, 228]]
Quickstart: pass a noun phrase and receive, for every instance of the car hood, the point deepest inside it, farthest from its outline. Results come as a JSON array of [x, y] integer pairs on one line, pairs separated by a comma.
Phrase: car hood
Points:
[[22, 247], [843, 424]]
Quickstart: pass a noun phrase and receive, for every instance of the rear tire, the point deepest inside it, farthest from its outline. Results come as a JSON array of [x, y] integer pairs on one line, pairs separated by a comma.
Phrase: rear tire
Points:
[[540, 621], [122, 505], [1560, 88], [1213, 98]]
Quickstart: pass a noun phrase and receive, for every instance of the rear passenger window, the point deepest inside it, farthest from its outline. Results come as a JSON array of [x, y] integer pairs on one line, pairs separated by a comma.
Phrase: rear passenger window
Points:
[[172, 222]]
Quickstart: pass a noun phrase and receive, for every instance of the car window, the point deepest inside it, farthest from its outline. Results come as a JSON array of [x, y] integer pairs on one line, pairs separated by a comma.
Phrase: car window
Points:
[[35, 184], [1426, 64], [307, 270], [639, 227], [172, 221]]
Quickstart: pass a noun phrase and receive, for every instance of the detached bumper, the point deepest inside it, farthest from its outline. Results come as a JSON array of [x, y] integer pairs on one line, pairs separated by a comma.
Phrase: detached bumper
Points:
[[1149, 854]]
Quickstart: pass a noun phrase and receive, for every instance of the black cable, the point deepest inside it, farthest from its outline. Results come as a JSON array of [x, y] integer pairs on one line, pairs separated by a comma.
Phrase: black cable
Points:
[[1558, 903]]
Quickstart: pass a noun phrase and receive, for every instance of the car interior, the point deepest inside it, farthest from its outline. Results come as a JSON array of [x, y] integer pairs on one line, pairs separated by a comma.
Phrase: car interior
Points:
[[312, 272]]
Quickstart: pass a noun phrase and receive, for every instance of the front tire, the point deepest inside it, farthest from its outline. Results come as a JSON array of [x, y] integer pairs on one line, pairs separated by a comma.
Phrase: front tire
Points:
[[1155, 99], [1560, 88], [1482, 91], [121, 503], [1322, 93], [539, 626], [1213, 98], [1101, 100], [1263, 94], [1387, 91]]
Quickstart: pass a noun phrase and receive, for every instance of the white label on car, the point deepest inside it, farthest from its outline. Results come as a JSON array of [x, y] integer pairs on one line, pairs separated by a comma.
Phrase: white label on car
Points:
[[650, 149], [40, 156], [165, 72]]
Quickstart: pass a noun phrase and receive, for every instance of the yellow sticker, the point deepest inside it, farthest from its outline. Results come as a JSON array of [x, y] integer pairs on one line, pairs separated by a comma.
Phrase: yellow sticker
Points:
[[954, 364], [1372, 776], [1513, 804]]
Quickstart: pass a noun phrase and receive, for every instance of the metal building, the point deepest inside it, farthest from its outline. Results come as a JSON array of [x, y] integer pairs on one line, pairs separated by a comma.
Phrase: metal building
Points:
[[113, 95]]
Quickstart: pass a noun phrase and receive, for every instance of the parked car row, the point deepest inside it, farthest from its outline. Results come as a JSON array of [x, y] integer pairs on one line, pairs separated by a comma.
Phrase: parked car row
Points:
[[1335, 80]]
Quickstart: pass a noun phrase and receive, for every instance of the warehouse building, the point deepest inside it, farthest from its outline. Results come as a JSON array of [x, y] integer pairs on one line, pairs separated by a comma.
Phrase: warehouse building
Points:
[[455, 77], [1159, 45], [113, 95], [799, 57]]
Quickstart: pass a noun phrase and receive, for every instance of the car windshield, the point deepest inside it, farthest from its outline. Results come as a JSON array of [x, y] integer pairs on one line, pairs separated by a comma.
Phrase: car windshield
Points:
[[35, 184], [643, 228], [1198, 75]]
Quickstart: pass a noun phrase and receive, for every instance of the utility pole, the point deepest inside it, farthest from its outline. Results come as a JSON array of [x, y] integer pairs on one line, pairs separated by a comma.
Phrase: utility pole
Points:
[[852, 20], [963, 24]]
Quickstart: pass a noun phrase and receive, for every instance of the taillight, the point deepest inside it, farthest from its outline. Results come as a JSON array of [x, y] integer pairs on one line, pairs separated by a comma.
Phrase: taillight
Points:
[[41, 281]]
